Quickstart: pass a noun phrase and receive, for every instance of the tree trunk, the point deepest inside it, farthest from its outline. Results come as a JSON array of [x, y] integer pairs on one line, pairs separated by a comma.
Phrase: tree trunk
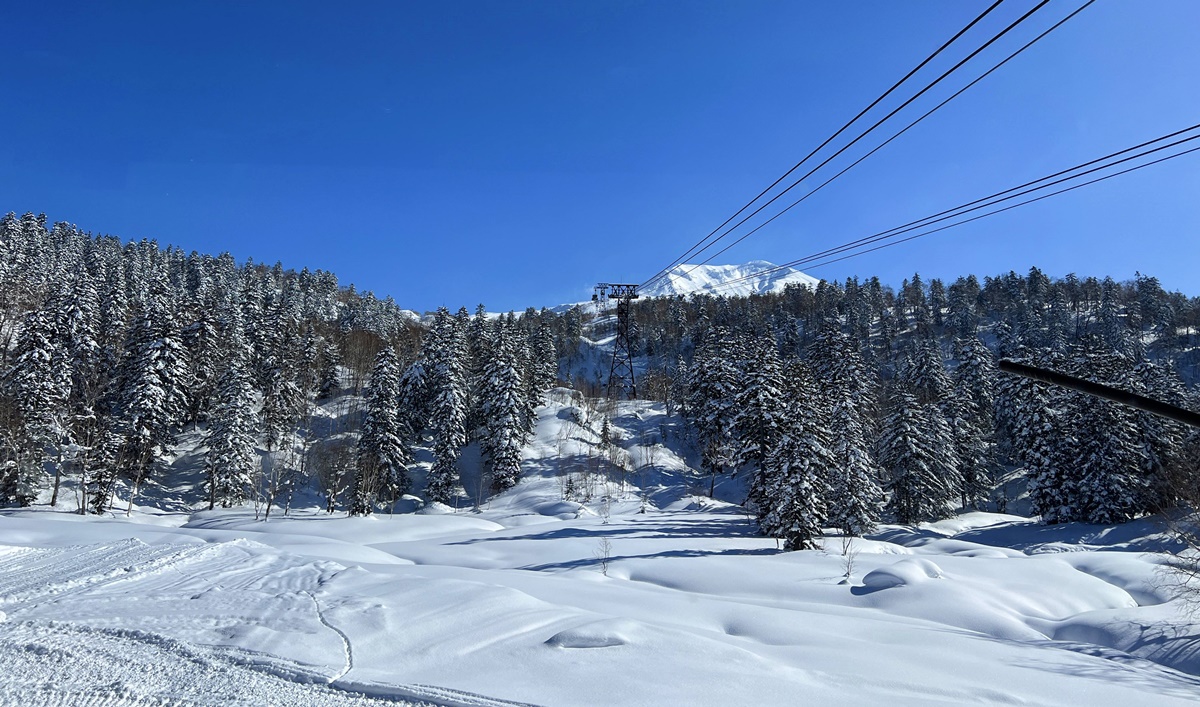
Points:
[[57, 483]]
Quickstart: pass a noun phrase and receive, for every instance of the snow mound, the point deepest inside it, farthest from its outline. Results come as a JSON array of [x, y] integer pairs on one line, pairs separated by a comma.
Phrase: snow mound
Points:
[[719, 279], [597, 634], [906, 571]]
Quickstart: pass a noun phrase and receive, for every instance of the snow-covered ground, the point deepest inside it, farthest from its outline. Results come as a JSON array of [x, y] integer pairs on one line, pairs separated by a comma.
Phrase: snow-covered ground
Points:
[[539, 600]]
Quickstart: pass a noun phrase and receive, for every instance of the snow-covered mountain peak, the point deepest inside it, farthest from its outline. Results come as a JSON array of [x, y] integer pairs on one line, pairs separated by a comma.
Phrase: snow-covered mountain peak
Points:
[[728, 280]]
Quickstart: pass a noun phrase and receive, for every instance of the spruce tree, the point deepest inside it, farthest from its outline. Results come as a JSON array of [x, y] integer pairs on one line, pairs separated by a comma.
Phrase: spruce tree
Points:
[[448, 405], [503, 413], [972, 417], [759, 405], [919, 491], [792, 503], [381, 471], [1037, 438], [232, 430], [712, 386], [152, 397], [854, 496], [1112, 485], [329, 372], [40, 386]]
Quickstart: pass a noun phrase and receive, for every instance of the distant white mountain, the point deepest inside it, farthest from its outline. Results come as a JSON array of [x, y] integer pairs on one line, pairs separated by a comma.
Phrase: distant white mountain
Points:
[[728, 280]]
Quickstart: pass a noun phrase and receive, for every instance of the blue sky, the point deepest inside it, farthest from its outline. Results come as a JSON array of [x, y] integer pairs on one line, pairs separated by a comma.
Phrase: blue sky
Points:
[[514, 153]]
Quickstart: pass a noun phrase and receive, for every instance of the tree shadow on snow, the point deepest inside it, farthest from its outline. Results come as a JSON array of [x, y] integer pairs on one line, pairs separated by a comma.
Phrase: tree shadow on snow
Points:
[[734, 526], [596, 561]]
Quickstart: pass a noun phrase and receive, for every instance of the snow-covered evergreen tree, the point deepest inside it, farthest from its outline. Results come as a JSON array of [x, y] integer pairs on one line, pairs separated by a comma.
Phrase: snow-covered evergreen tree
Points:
[[152, 399], [712, 387], [919, 490], [283, 403], [446, 356], [759, 405], [1112, 484], [232, 430], [972, 417], [40, 386], [854, 497], [329, 373], [792, 503], [503, 413], [381, 471]]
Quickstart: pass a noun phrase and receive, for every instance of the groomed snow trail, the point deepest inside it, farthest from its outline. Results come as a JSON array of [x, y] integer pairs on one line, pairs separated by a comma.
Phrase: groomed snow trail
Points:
[[48, 663], [65, 638]]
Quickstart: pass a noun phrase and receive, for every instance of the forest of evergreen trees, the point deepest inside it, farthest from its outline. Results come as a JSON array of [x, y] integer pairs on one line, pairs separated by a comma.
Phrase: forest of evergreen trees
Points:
[[849, 403], [841, 406], [111, 350]]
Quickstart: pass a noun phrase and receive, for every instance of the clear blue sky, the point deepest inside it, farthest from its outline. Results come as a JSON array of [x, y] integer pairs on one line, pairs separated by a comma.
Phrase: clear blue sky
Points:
[[514, 153]]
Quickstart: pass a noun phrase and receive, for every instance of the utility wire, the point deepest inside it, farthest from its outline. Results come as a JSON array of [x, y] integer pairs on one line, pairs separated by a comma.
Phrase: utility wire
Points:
[[991, 201], [1008, 208], [994, 199], [797, 202], [840, 130], [869, 130]]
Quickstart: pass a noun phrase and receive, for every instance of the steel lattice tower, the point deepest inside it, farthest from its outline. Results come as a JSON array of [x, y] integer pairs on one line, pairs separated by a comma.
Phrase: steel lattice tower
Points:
[[620, 374]]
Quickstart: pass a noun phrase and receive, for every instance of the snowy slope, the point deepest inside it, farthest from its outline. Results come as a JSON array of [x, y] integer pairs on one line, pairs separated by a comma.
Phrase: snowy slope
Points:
[[537, 599], [686, 279]]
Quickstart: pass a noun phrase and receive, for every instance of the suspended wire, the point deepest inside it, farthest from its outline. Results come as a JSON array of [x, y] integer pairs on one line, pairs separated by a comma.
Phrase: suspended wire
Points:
[[885, 118], [993, 198], [962, 209], [855, 163], [986, 202], [869, 130], [828, 140], [1007, 208], [930, 220]]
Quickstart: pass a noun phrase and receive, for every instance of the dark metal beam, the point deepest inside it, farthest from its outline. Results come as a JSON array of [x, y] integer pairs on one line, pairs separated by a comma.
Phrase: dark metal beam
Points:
[[1124, 397]]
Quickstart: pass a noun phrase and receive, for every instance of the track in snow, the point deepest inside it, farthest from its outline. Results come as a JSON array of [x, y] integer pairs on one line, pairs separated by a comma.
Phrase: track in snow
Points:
[[93, 658]]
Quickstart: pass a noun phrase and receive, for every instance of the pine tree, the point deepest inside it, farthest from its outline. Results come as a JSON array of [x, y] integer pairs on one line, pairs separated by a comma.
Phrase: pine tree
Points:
[[926, 375], [329, 378], [283, 403], [152, 398], [231, 435], [414, 396], [381, 471], [919, 490], [1162, 440], [792, 503], [854, 496], [448, 407], [40, 386], [972, 417], [1112, 486], [503, 413], [712, 386], [202, 341], [759, 405]]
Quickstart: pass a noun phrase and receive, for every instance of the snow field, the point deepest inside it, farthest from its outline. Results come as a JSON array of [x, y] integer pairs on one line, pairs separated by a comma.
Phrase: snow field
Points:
[[538, 600]]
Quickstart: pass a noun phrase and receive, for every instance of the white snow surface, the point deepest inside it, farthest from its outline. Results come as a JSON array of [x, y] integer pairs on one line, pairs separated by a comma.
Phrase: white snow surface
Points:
[[719, 279], [538, 600]]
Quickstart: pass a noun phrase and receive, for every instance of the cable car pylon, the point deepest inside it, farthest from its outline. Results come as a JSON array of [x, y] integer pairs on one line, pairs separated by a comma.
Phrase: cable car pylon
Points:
[[620, 374]]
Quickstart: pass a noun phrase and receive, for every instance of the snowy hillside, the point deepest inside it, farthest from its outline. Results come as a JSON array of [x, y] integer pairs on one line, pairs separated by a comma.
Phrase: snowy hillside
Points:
[[604, 577], [715, 279], [686, 279]]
